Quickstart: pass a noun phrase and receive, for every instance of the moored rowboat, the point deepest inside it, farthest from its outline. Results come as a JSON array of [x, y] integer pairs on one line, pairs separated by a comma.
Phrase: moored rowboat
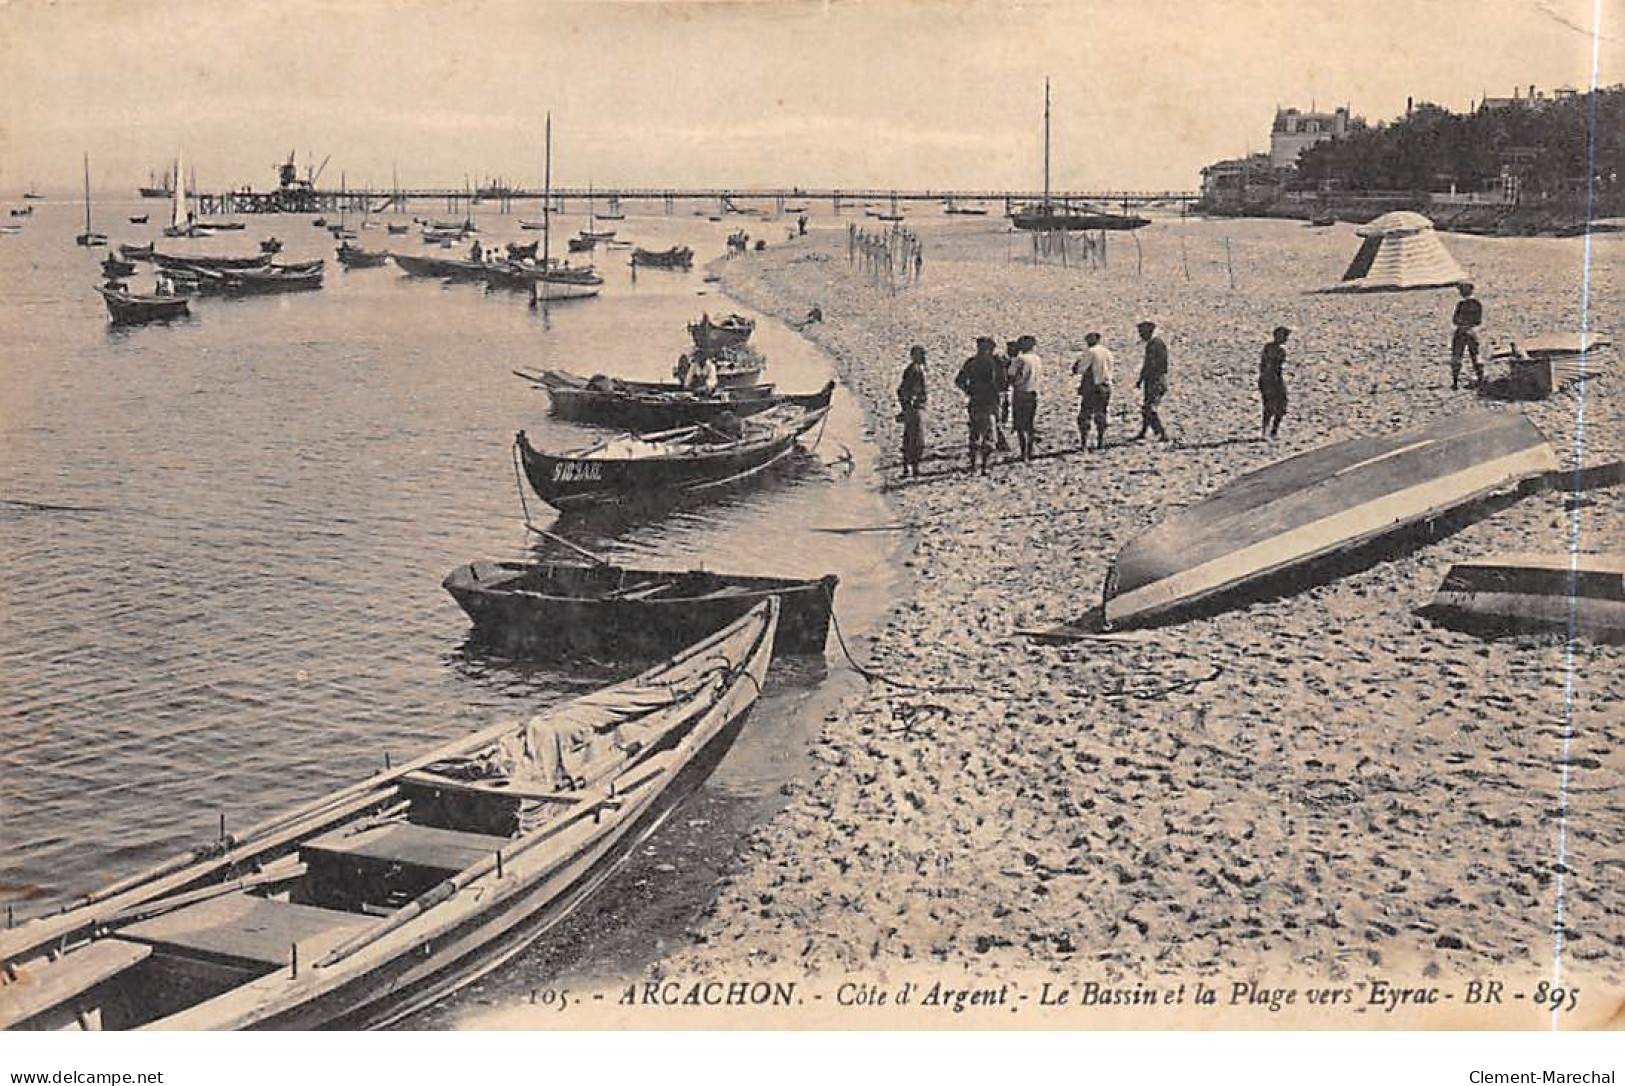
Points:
[[126, 308], [1316, 504], [644, 406], [607, 612], [383, 897], [1522, 593]]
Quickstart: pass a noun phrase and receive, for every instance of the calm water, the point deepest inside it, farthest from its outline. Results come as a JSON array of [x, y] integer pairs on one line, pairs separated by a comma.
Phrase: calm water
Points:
[[233, 603]]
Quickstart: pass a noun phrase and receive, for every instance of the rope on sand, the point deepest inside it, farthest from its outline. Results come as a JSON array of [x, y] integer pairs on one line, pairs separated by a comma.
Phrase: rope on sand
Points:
[[875, 676]]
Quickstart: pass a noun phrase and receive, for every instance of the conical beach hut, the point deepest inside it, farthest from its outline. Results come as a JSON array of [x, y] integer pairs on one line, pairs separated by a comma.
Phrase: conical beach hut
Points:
[[1401, 251]]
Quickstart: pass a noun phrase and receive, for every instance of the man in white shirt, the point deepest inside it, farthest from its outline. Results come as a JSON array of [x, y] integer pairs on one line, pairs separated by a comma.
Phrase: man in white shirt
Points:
[[1094, 372], [1025, 368]]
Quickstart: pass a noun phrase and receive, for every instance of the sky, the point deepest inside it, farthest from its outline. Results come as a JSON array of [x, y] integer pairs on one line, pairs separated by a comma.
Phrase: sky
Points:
[[880, 93]]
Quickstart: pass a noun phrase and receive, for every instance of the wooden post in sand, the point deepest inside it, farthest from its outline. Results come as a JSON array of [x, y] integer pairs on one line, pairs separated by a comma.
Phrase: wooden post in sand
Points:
[[1139, 257], [1183, 258], [1228, 266]]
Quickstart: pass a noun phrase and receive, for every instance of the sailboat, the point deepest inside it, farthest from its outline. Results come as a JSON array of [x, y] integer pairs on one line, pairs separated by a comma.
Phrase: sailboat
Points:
[[1046, 216], [89, 237], [590, 234], [180, 223], [547, 283]]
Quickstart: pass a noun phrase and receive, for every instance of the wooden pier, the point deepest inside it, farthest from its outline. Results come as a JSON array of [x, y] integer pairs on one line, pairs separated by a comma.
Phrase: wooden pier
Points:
[[303, 199]]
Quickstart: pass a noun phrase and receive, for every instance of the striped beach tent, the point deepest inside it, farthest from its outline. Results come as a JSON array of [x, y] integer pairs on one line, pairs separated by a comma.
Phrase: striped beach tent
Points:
[[1401, 251]]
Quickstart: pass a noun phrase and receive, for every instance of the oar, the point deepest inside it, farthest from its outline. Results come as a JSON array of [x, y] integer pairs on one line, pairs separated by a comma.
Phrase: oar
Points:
[[601, 560]]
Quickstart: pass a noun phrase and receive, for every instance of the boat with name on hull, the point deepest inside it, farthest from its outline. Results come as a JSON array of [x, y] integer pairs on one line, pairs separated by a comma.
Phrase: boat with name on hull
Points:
[[386, 896], [572, 610], [667, 467], [1313, 505], [1571, 594]]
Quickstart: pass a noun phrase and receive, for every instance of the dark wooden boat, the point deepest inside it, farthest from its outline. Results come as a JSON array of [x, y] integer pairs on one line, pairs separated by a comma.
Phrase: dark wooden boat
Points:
[[606, 612], [221, 226], [581, 245], [90, 239], [517, 251], [666, 466], [532, 224], [437, 267], [678, 256], [114, 268], [216, 263], [732, 331], [271, 246], [644, 407], [126, 308], [384, 897], [1318, 503], [318, 221], [352, 257], [1052, 217], [1582, 594], [136, 252], [21, 212], [397, 228], [597, 235], [138, 219], [1323, 220], [276, 278]]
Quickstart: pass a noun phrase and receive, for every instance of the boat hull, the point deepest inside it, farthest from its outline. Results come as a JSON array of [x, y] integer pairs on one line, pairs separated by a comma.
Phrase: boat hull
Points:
[[141, 309], [1061, 220], [643, 411], [1309, 506], [1583, 595], [553, 611], [573, 480]]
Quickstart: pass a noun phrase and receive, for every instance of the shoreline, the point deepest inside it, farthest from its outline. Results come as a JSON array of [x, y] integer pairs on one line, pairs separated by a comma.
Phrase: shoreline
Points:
[[1311, 783]]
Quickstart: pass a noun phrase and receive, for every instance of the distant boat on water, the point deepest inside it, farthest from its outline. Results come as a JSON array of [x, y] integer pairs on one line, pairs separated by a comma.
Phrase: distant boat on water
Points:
[[89, 237], [1048, 216], [156, 190]]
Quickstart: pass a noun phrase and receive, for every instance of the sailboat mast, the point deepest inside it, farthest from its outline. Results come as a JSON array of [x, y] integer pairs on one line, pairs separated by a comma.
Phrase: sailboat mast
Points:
[[87, 193], [1046, 143], [547, 194]]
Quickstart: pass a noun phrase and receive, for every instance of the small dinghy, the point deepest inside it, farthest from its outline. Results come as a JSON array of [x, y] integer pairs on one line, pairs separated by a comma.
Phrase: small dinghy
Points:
[[126, 308], [605, 612], [352, 256], [1530, 593], [383, 897]]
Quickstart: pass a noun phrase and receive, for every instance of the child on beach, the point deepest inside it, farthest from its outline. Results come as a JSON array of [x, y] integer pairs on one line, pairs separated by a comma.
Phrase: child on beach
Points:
[[1468, 316], [1272, 380], [911, 397], [1153, 381], [979, 380], [1094, 372]]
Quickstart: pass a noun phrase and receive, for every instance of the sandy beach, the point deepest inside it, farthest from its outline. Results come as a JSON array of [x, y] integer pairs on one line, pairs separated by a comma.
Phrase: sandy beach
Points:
[[1322, 784]]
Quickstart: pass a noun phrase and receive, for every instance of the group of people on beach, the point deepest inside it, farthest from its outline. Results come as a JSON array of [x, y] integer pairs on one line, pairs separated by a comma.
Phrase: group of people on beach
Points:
[[1002, 387]]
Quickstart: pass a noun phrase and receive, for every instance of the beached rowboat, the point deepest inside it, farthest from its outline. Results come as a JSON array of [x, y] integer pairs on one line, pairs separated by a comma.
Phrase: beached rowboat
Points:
[[1319, 503], [1524, 593], [352, 257], [383, 897], [678, 256], [557, 609], [665, 467], [731, 331]]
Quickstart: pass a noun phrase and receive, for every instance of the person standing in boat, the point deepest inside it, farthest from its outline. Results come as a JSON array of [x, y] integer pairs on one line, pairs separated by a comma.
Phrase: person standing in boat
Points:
[[979, 379], [1152, 382], [1272, 380], [1025, 367], [706, 378], [911, 398], [682, 371], [1094, 372], [1468, 316]]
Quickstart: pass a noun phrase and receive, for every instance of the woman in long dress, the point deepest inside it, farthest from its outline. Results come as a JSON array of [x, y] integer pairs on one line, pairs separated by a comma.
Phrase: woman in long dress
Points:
[[911, 397]]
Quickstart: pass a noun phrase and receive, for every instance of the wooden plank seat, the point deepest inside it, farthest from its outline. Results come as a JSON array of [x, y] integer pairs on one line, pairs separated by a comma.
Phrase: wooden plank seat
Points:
[[246, 931], [37, 986]]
